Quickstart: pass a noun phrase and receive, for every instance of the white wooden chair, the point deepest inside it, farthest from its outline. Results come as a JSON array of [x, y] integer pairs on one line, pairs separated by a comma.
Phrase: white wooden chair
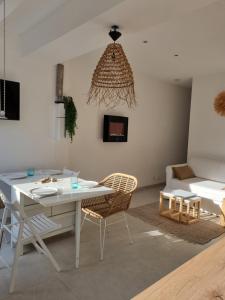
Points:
[[25, 229]]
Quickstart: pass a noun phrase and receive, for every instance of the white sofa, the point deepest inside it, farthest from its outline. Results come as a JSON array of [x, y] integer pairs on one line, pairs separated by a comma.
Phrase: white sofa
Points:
[[209, 183]]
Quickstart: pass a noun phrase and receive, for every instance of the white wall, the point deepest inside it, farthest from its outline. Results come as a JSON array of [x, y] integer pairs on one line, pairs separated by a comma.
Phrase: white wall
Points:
[[157, 127], [207, 128], [157, 133], [30, 142]]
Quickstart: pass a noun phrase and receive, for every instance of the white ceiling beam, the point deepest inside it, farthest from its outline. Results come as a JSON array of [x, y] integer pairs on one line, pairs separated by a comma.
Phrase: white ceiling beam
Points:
[[92, 35], [63, 20], [11, 6]]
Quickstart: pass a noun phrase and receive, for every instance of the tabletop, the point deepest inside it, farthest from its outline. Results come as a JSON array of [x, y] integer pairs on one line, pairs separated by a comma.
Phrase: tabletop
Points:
[[25, 184], [179, 193], [201, 277]]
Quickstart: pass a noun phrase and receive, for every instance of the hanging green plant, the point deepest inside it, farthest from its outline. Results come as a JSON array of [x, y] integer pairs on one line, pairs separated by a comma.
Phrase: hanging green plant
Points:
[[70, 117]]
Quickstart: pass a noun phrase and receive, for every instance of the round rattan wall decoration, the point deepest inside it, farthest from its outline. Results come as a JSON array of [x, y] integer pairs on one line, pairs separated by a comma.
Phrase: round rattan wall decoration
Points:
[[219, 104]]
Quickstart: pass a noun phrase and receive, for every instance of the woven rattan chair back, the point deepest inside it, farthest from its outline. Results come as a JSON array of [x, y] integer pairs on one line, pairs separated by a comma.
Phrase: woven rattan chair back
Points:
[[120, 182], [1, 203], [2, 200]]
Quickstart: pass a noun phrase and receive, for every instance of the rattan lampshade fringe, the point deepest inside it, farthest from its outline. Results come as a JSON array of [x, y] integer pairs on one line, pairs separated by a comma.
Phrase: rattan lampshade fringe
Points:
[[112, 81]]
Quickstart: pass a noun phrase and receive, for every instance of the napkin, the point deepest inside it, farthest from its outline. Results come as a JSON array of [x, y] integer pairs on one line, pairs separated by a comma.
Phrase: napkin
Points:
[[70, 172], [38, 196]]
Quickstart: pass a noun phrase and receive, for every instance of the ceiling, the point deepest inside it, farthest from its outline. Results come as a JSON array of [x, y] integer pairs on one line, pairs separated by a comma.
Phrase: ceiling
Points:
[[65, 29]]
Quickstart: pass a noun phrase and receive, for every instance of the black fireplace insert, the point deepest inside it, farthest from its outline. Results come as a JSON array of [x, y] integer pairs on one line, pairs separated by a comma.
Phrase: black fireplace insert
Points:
[[115, 129]]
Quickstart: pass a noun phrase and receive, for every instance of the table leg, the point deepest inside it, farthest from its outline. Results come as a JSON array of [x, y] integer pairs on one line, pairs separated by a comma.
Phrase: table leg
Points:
[[19, 198], [181, 200], [161, 208], [188, 211], [170, 203], [181, 204], [77, 232], [199, 208], [193, 212]]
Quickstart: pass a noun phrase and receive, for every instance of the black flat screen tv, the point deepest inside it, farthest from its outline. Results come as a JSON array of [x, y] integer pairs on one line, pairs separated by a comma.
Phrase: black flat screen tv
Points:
[[12, 99]]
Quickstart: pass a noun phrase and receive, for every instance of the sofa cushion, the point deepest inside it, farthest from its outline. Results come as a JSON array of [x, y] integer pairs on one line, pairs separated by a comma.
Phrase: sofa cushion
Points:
[[209, 189], [183, 184], [183, 172]]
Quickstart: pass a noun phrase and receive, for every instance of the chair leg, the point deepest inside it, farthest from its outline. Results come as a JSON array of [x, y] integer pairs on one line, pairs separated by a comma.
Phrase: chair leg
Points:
[[127, 227], [4, 220], [102, 237], [16, 257], [43, 246], [36, 246], [49, 255], [82, 224], [103, 240]]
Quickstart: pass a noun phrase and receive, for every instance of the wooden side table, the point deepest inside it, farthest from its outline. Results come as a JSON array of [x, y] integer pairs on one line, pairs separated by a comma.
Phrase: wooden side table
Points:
[[171, 212], [181, 209], [191, 210]]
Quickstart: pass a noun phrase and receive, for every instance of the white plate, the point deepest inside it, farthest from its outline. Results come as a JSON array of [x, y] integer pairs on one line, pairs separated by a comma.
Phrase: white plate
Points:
[[18, 176], [44, 191], [49, 172]]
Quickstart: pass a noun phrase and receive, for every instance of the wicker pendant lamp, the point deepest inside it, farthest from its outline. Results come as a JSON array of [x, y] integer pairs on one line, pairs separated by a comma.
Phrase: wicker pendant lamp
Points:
[[112, 81]]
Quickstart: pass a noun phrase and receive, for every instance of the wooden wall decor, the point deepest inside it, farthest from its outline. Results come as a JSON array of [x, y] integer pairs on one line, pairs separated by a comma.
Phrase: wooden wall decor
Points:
[[59, 83], [219, 104]]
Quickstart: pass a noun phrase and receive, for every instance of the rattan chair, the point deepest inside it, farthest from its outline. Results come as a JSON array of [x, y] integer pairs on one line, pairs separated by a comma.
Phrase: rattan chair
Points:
[[1, 203], [98, 209]]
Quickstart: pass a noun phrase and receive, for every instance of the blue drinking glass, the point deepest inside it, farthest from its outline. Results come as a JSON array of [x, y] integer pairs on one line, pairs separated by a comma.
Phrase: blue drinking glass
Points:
[[74, 182], [30, 172]]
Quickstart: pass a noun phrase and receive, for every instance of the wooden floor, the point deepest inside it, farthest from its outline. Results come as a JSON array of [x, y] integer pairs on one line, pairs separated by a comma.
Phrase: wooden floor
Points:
[[202, 277]]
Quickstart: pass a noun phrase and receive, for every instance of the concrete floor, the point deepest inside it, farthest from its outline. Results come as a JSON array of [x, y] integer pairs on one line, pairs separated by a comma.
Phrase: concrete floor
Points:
[[126, 269]]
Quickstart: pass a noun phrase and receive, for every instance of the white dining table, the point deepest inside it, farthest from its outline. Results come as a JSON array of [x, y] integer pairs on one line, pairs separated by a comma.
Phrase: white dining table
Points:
[[15, 189]]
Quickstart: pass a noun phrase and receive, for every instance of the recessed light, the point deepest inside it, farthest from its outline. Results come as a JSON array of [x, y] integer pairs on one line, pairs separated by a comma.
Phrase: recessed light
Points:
[[145, 42]]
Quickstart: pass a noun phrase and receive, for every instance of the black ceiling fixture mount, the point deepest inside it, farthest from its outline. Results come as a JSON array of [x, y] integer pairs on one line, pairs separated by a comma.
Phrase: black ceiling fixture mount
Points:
[[114, 33]]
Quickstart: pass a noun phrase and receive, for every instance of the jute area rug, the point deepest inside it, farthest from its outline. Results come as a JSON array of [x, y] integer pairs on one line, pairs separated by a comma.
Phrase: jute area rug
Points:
[[202, 232]]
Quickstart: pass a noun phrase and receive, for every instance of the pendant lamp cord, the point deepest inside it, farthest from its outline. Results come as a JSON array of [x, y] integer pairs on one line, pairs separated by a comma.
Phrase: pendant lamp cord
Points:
[[2, 90], [4, 58]]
